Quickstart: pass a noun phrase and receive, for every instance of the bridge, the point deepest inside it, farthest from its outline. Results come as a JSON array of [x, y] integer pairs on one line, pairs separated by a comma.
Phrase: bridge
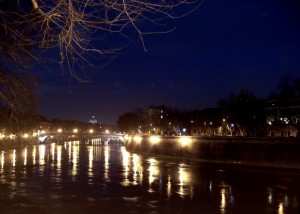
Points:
[[84, 137]]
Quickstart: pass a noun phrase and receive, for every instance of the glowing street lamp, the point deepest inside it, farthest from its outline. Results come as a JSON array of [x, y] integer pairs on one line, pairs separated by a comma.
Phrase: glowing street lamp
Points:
[[91, 131], [75, 130], [154, 139], [185, 141], [137, 139]]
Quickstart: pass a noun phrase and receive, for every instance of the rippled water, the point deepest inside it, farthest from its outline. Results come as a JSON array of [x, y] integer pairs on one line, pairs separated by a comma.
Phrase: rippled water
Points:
[[74, 178]]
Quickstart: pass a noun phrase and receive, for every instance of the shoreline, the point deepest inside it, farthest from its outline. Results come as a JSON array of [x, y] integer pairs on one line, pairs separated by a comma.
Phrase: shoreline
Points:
[[270, 153], [15, 144]]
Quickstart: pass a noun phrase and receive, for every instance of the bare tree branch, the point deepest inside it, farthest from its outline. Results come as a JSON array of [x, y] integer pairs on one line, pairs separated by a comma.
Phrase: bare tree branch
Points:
[[71, 26]]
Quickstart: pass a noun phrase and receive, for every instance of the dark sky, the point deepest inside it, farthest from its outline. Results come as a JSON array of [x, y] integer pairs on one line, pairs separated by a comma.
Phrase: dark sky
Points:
[[223, 47]]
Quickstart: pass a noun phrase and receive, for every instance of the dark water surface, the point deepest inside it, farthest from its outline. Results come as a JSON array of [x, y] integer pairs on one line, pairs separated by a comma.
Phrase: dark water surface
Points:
[[73, 178]]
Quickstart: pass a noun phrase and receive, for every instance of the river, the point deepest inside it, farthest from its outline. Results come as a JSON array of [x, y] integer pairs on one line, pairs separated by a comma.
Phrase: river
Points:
[[75, 178]]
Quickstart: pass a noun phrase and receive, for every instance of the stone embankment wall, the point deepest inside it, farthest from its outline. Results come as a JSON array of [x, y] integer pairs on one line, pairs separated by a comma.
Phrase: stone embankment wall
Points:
[[272, 152], [15, 143]]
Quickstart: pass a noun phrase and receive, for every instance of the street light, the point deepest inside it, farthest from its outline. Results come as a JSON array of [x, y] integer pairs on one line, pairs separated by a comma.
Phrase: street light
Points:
[[185, 141], [75, 130], [154, 139]]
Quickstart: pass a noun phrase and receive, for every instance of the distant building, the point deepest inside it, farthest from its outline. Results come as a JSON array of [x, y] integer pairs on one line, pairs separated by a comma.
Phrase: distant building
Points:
[[93, 120], [156, 114], [283, 118], [163, 121]]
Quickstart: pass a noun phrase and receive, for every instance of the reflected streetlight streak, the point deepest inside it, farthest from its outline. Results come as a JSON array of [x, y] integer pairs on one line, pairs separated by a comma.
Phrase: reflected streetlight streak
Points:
[[223, 200], [75, 155], [91, 158], [280, 208], [53, 152], [14, 158], [270, 196], [137, 169], [182, 179], [70, 151], [125, 162], [106, 163], [2, 160], [135, 160], [286, 201], [152, 170], [25, 156], [58, 158], [42, 150], [184, 182], [169, 187], [34, 155]]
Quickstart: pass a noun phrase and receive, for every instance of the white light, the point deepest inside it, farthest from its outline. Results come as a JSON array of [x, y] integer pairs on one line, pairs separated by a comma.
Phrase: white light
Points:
[[185, 141], [137, 139], [154, 139]]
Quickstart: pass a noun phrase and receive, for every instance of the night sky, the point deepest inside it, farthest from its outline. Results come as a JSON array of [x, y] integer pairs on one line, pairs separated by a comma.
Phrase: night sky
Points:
[[223, 47]]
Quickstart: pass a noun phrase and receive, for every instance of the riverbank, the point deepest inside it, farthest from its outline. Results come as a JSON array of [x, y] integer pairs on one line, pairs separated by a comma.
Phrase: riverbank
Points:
[[264, 152], [15, 143]]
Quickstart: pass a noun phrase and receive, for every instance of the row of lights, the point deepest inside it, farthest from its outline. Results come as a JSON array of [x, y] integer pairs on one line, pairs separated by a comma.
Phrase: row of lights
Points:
[[26, 135], [76, 131], [13, 136], [155, 139]]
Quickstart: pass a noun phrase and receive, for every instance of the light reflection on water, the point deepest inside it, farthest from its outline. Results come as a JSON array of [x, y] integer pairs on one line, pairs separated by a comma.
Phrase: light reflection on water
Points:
[[185, 184], [2, 160], [41, 154], [90, 170], [106, 163], [86, 175]]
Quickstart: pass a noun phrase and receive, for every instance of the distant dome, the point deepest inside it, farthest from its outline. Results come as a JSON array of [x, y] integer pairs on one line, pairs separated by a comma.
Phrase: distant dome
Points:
[[93, 120]]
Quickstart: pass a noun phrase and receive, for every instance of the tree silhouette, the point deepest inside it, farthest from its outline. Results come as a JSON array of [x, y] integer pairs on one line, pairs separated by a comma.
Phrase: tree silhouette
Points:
[[245, 112], [71, 27], [128, 122]]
